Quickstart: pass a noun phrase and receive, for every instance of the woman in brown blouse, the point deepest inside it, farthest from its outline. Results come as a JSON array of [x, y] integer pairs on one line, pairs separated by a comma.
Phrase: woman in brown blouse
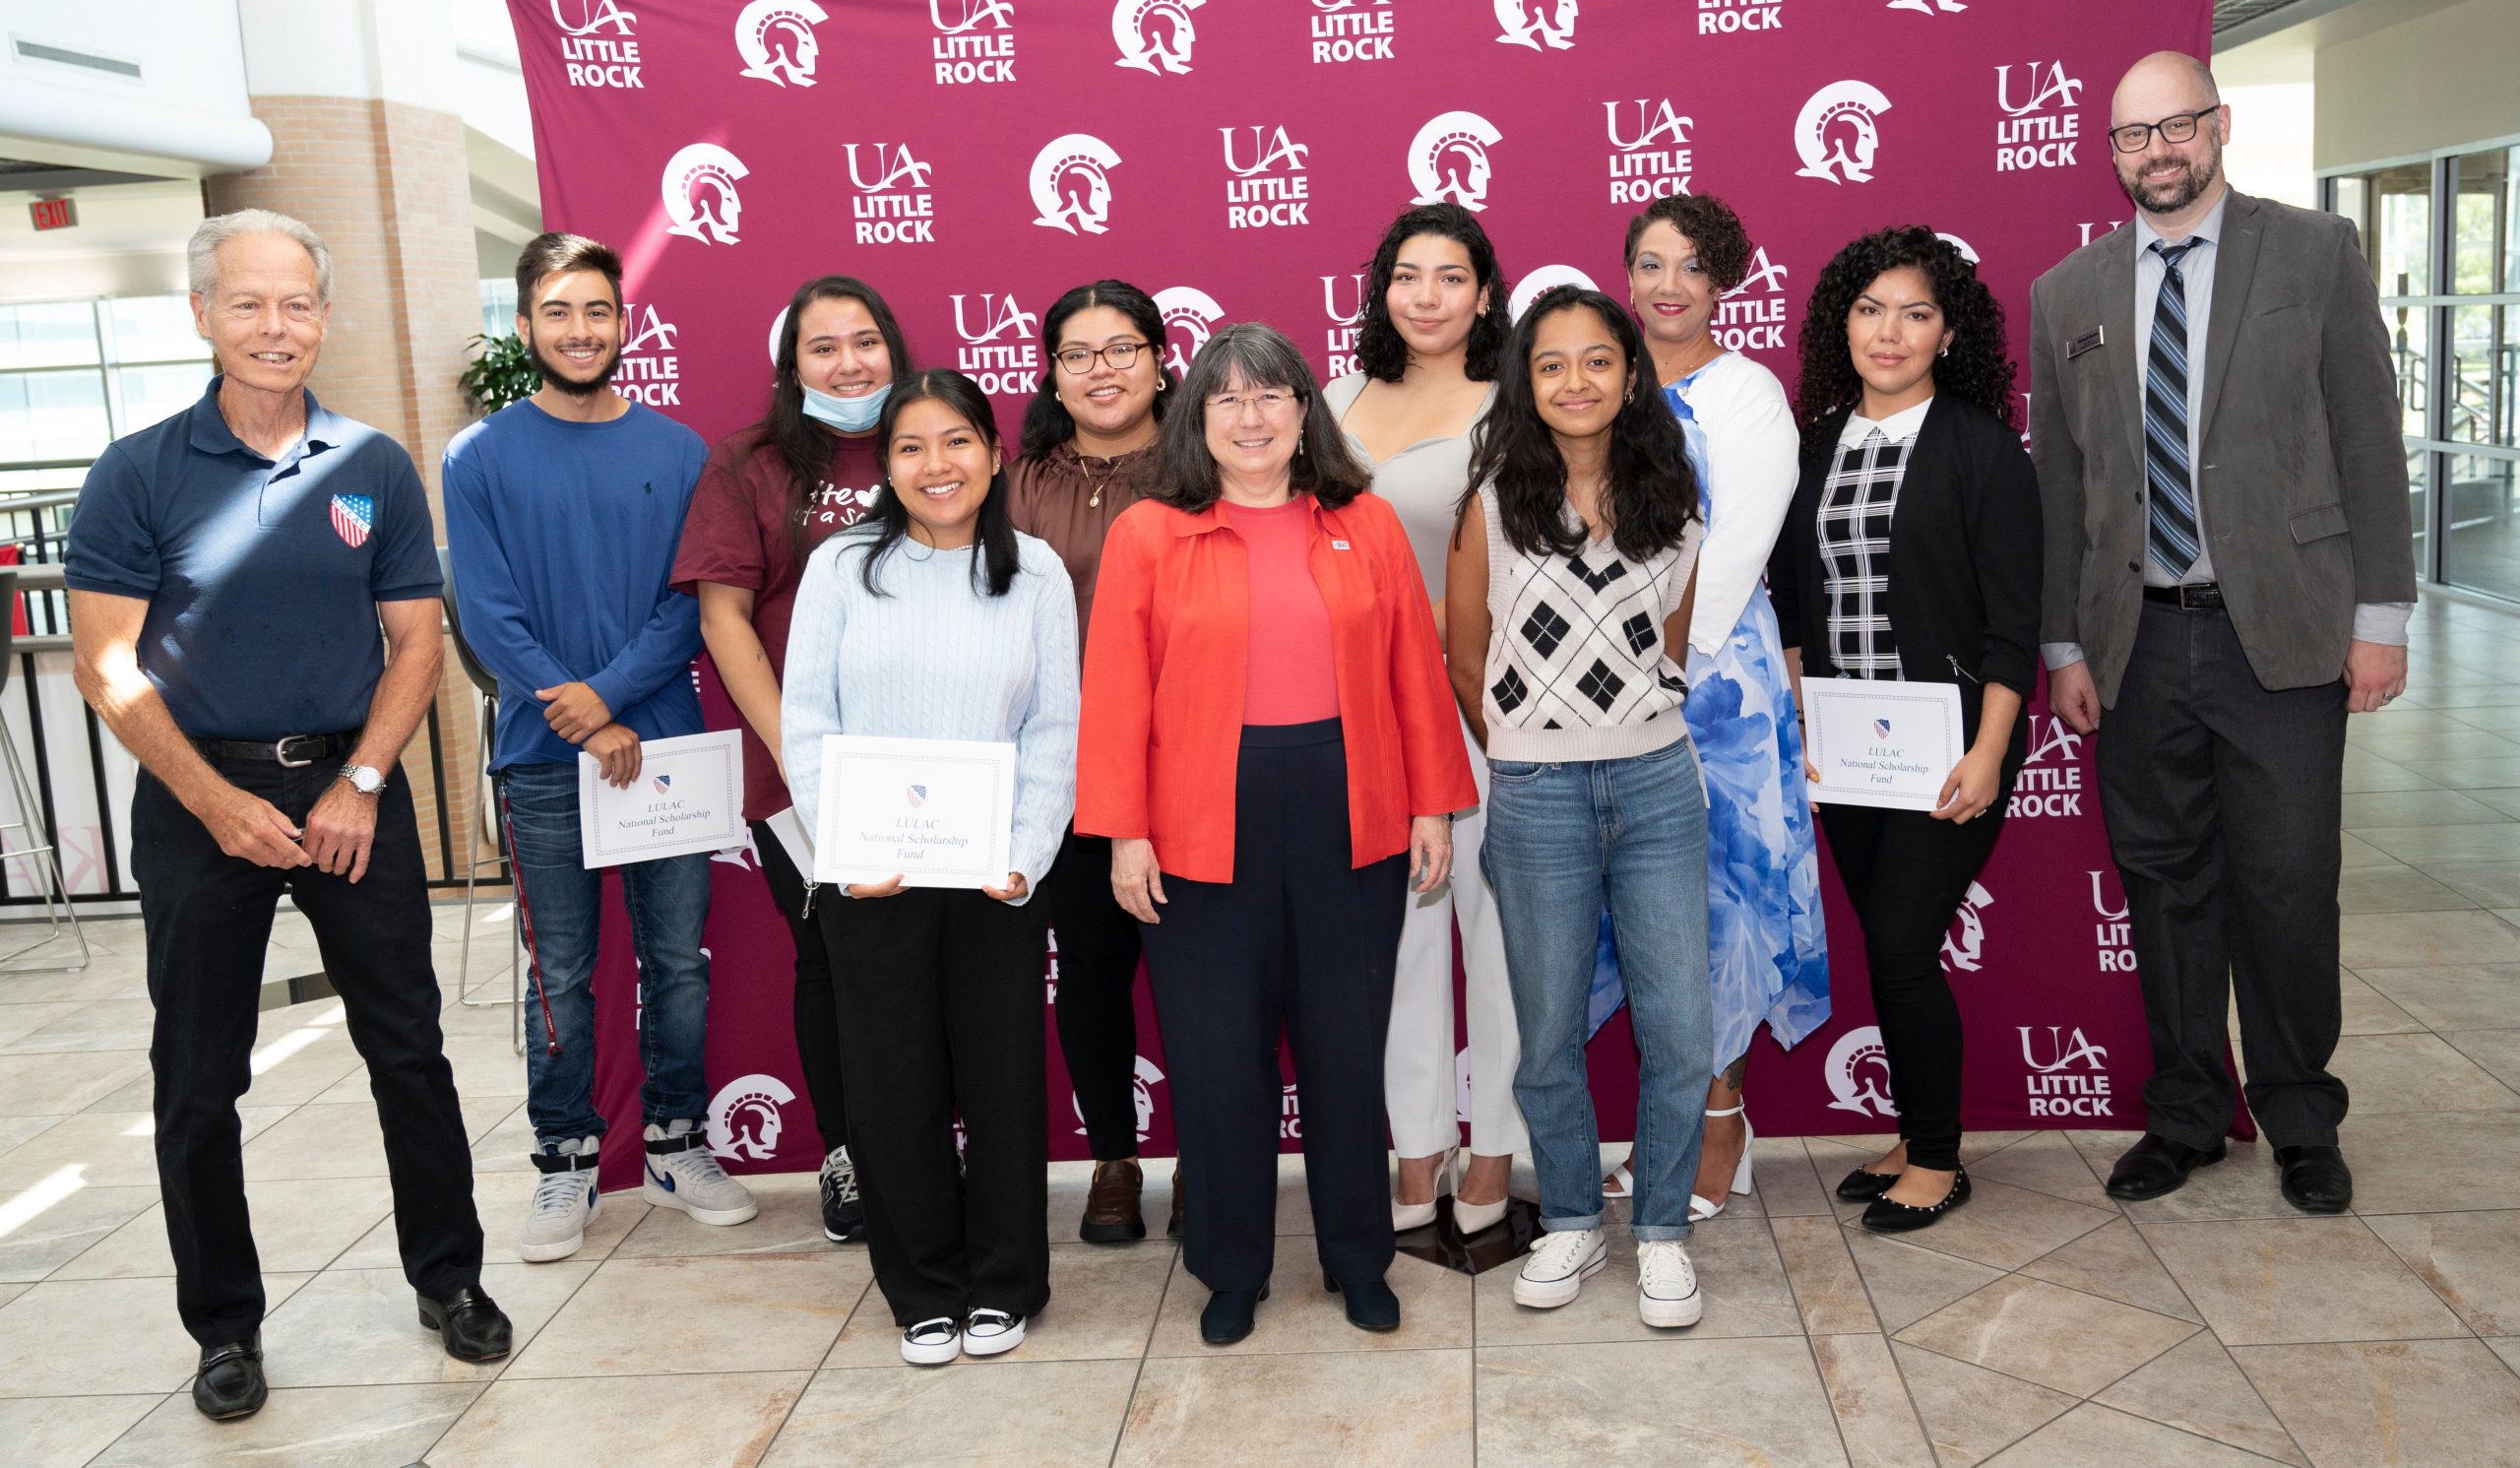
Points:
[[1088, 438]]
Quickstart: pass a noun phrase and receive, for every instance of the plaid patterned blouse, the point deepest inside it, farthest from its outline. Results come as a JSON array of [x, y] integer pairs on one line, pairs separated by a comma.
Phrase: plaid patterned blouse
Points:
[[1857, 507]]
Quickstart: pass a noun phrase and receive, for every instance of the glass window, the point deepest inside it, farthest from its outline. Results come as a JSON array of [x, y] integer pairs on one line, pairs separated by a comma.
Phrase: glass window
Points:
[[152, 394], [498, 309], [2481, 548], [153, 329], [2400, 229], [52, 333], [2410, 343], [2483, 222], [52, 415], [2418, 478], [2482, 376]]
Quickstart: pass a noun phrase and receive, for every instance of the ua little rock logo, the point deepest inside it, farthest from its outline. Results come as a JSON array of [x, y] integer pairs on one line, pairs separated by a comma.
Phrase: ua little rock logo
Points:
[[1964, 947], [1142, 1086], [1537, 24], [778, 42], [1857, 1071], [1072, 184], [1448, 160], [591, 16], [1547, 277], [744, 1117], [353, 515], [1836, 132], [1155, 35], [1196, 314], [699, 189]]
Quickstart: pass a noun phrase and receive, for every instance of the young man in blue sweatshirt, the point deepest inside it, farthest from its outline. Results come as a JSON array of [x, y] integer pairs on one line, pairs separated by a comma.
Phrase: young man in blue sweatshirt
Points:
[[563, 513]]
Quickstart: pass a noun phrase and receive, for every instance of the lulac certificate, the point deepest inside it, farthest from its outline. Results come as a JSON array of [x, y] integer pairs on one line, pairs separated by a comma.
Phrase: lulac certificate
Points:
[[937, 812], [1881, 742]]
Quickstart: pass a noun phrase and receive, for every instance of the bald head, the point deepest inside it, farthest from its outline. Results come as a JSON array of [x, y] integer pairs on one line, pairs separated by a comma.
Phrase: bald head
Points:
[[2161, 83], [2167, 128]]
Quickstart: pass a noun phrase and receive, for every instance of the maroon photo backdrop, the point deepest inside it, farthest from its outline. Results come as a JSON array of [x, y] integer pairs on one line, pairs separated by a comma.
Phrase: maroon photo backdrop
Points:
[[972, 159]]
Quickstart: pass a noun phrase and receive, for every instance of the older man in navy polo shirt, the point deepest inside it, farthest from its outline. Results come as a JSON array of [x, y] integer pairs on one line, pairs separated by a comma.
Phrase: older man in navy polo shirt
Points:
[[228, 570]]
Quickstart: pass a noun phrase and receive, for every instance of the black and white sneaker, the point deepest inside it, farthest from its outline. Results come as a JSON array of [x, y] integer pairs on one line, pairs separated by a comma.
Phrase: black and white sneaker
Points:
[[988, 1332], [844, 1222], [933, 1342]]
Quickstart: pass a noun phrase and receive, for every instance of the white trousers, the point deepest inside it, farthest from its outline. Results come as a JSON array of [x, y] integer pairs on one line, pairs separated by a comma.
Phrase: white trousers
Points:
[[1424, 1091]]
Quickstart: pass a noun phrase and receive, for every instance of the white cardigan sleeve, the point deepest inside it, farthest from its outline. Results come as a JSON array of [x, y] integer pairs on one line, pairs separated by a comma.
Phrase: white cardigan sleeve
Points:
[[1752, 453]]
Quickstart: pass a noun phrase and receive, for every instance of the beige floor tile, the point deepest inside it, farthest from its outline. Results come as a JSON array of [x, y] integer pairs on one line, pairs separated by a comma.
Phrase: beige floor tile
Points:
[[2391, 1404], [2491, 884], [2195, 1388], [1654, 1402], [507, 1146], [2467, 774], [344, 1140], [652, 1316], [1070, 1181], [2396, 890], [2358, 854], [18, 1020], [484, 1065], [2044, 1162], [49, 1085], [68, 1431], [2467, 1260], [2425, 846], [2246, 1183], [2113, 1262], [2006, 1227], [1398, 1409], [12, 1288], [2419, 807], [2459, 997], [2367, 1011], [97, 1336], [2373, 940], [1787, 1185], [1971, 1414], [624, 1421], [360, 1327], [2367, 773], [1907, 1283], [1038, 1412], [790, 1222], [17, 1131], [2272, 1281], [2414, 746], [2401, 1073], [2497, 1050], [104, 976], [2058, 1338], [322, 1427], [300, 1227], [1738, 1267], [106, 1025], [1102, 1307], [503, 1200], [1827, 1290], [2411, 1164], [111, 1149], [48, 1227], [2508, 1348], [1299, 1315], [2093, 1434], [1876, 1422]]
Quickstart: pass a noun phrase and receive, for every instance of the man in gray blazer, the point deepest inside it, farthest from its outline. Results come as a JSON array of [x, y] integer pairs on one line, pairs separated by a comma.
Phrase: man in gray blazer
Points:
[[2229, 572]]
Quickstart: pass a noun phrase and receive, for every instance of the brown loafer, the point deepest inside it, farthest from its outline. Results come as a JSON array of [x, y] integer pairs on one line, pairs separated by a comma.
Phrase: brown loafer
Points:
[[1112, 1213]]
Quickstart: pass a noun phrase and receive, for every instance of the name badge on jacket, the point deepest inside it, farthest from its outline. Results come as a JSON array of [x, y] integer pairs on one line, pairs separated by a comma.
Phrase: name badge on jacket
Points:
[[2084, 342]]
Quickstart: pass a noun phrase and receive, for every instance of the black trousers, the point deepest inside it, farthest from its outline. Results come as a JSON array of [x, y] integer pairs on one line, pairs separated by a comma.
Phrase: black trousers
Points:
[[1906, 875], [940, 1013], [817, 1020], [208, 920], [1098, 1015], [2223, 801], [1299, 942]]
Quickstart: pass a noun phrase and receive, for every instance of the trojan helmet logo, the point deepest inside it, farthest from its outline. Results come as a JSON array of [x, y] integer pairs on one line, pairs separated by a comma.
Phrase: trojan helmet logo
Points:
[[1964, 944], [995, 320], [700, 194], [1142, 1086], [1836, 135], [1928, 7], [1155, 35], [1330, 300], [744, 1120], [1278, 151], [970, 13], [1536, 23], [2050, 735], [1072, 183], [591, 16], [1333, 5], [2061, 1051], [901, 170], [648, 333], [777, 39], [1196, 314], [1765, 275], [1547, 277], [1963, 246], [1858, 1074], [1660, 123], [1448, 160], [2049, 89]]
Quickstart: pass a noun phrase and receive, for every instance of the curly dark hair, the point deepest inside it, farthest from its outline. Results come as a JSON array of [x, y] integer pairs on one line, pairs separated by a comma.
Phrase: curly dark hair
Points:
[[1723, 245], [1380, 352], [1977, 370], [1254, 356], [1651, 490]]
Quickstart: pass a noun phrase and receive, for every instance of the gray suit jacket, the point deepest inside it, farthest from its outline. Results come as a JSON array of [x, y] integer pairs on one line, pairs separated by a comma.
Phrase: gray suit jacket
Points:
[[2301, 471]]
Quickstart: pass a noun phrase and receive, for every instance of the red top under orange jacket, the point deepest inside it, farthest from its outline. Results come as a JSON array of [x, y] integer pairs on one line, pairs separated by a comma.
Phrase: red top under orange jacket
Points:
[[1168, 656]]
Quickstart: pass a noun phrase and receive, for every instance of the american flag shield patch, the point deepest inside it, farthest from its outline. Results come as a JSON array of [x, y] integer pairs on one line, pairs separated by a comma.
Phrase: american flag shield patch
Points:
[[352, 517]]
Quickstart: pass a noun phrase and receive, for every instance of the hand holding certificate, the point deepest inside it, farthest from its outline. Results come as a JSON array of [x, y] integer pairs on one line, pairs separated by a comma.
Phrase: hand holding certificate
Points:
[[687, 796], [1878, 742], [931, 813]]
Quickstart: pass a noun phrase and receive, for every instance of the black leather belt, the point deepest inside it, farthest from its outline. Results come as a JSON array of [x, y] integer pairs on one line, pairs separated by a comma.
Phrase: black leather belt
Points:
[[2202, 596], [293, 751]]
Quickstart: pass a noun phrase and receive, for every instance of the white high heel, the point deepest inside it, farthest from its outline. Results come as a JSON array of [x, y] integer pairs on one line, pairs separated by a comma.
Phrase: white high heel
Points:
[[1406, 1216], [1472, 1218], [1700, 1209]]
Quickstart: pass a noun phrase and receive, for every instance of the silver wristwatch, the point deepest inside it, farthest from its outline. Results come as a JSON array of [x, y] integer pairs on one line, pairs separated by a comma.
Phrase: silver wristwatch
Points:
[[365, 779]]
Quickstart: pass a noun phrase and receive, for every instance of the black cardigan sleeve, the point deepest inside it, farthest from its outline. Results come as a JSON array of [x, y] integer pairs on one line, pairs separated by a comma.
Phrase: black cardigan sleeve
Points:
[[2006, 542]]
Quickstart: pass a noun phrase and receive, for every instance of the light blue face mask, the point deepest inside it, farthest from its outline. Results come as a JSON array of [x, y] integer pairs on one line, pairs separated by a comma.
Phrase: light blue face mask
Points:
[[848, 415]]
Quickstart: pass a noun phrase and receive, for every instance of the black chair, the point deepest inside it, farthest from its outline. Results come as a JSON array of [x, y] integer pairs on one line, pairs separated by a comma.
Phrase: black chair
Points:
[[29, 813], [484, 813]]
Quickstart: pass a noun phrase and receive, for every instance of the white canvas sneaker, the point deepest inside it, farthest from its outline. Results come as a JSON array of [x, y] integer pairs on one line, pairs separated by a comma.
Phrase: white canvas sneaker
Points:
[[683, 1174], [1666, 1292], [933, 1342], [990, 1332], [564, 1202], [1559, 1266]]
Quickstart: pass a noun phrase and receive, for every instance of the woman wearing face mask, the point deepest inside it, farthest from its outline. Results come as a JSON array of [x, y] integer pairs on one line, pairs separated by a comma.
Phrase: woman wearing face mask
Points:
[[1768, 942], [1089, 440], [936, 619], [769, 495], [1911, 551], [1435, 321], [1567, 604]]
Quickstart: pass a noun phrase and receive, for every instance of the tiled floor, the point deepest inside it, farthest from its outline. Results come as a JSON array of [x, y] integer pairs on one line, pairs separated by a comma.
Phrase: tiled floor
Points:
[[2044, 1325]]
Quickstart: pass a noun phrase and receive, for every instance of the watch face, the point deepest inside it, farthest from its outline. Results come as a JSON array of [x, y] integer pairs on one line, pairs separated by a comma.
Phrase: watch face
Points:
[[367, 781]]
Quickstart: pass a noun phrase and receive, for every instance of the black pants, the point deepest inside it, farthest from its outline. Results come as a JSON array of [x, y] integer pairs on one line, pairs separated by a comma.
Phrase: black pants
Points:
[[1302, 942], [2223, 801], [940, 1013], [1906, 875], [208, 917], [1097, 1012], [817, 1021]]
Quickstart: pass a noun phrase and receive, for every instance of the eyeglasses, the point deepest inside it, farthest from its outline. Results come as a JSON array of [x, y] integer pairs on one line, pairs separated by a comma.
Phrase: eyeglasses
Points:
[[2135, 137], [1079, 360], [1271, 402]]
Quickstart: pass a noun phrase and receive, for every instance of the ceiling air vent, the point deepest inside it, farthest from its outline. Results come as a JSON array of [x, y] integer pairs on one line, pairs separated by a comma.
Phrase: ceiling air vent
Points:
[[35, 50]]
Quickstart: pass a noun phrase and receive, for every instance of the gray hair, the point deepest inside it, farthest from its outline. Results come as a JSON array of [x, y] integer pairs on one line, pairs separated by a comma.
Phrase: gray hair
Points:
[[201, 256]]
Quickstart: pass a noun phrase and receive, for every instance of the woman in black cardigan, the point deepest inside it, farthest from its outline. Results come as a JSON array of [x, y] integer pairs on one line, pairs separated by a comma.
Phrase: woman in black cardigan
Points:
[[1913, 551]]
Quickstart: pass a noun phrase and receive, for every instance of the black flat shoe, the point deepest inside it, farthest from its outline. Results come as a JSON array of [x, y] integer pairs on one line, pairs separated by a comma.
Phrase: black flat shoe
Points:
[[2156, 1165], [1228, 1317], [1371, 1303], [1885, 1216], [473, 1328], [2315, 1179], [231, 1380], [1863, 1185]]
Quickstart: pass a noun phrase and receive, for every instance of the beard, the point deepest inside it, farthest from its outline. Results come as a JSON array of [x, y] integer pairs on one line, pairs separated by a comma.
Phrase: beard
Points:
[[2190, 184], [556, 370]]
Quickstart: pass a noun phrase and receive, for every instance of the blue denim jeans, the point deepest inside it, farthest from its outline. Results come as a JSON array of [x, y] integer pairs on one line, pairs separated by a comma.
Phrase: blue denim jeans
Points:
[[563, 902], [1561, 840]]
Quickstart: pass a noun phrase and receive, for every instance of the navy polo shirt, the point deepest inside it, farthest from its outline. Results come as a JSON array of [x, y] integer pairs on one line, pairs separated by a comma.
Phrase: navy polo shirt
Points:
[[262, 576]]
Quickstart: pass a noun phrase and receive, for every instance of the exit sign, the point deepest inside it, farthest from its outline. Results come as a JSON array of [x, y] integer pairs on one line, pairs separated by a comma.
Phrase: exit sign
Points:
[[54, 214]]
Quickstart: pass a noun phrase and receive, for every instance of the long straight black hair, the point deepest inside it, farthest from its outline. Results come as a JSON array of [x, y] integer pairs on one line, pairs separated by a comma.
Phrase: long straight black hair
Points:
[[1046, 422], [805, 445], [998, 559], [1651, 490]]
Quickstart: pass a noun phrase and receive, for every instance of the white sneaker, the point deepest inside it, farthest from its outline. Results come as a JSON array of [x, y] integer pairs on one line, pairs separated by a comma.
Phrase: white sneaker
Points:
[[934, 1342], [991, 1332], [683, 1174], [564, 1202], [1667, 1292], [1559, 1266]]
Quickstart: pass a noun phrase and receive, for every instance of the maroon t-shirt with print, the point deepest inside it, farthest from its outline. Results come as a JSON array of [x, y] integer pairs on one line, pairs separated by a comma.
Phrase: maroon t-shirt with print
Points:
[[740, 532]]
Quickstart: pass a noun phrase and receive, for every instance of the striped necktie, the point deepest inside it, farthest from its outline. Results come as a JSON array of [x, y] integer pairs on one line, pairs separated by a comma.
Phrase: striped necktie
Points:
[[2172, 537]]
